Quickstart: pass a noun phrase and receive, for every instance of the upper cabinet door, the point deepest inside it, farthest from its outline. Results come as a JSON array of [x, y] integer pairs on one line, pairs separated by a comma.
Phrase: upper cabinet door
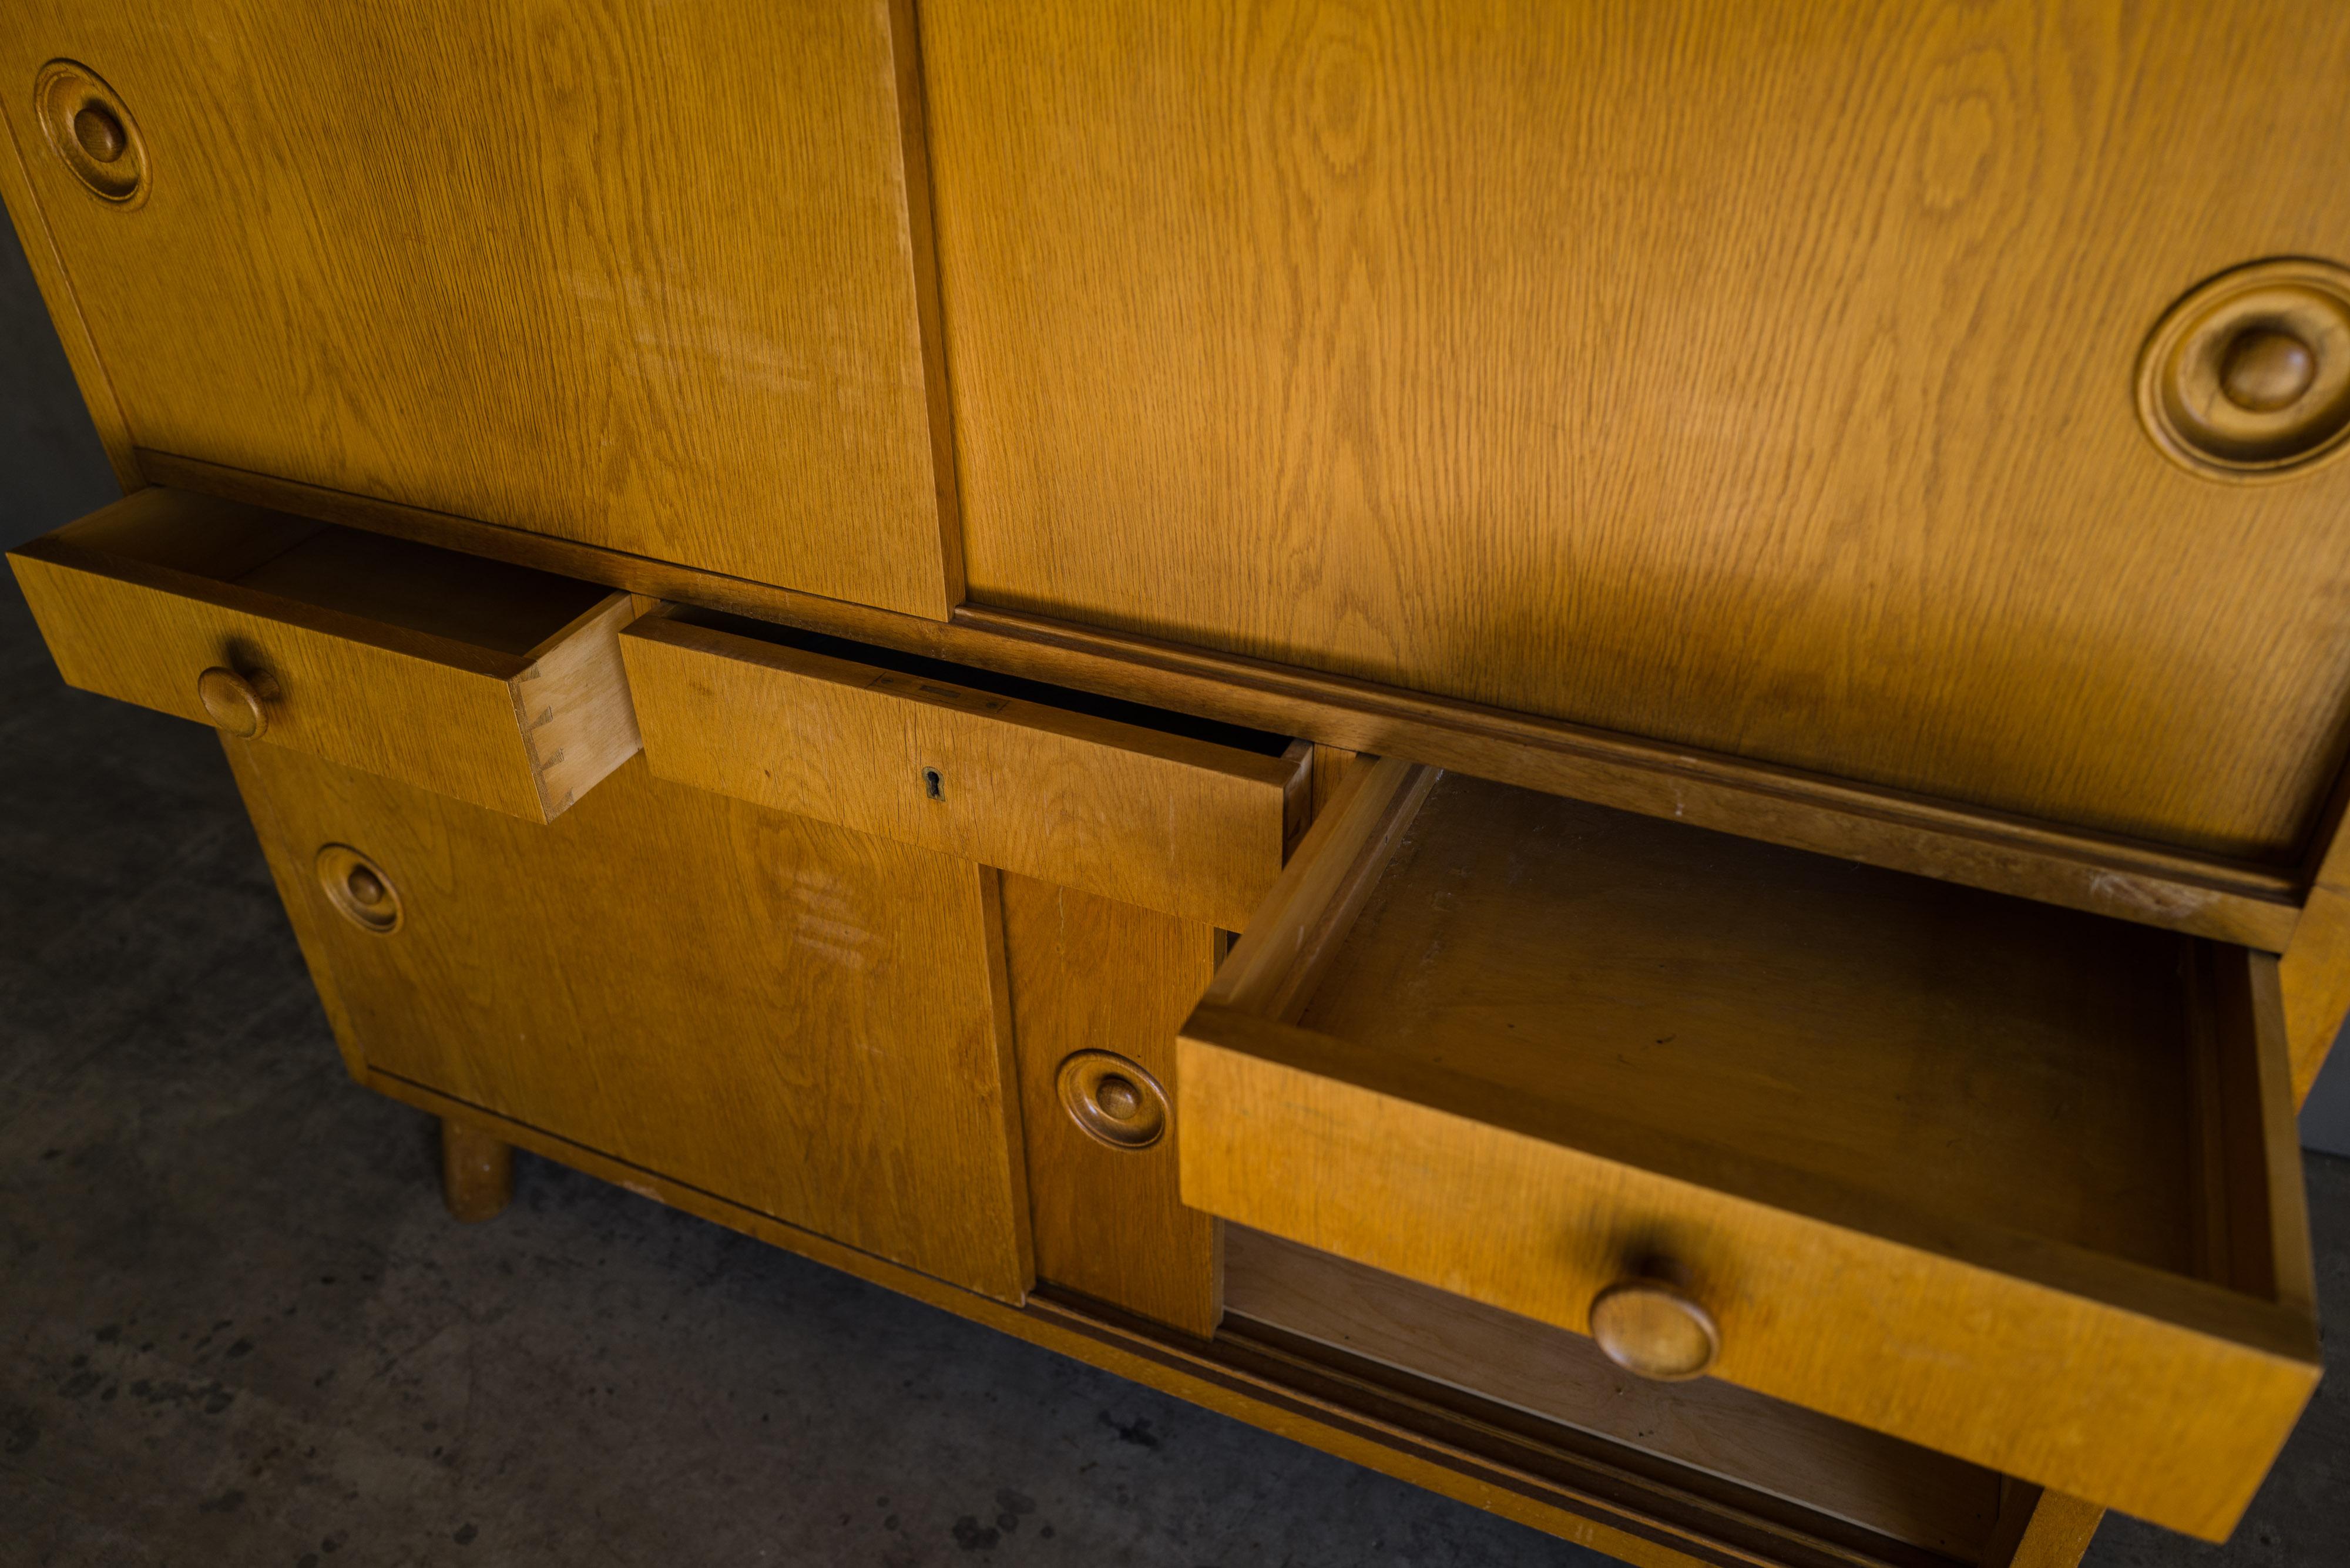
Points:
[[636, 274], [1764, 378]]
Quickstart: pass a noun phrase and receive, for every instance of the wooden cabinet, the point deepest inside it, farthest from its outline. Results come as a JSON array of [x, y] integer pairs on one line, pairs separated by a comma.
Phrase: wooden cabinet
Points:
[[1757, 378], [1895, 451], [488, 683], [803, 1019], [2009, 1181], [643, 275]]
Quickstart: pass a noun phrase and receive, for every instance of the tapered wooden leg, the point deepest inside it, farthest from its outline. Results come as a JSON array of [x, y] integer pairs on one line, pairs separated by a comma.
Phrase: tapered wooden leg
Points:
[[476, 1172]]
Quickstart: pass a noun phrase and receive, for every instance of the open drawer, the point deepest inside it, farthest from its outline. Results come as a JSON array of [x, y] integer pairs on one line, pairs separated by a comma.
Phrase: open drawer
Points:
[[2010, 1181], [1183, 815], [491, 683]]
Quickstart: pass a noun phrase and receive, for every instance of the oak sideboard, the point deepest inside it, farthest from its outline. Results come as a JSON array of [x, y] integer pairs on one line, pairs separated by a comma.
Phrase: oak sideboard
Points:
[[1595, 751]]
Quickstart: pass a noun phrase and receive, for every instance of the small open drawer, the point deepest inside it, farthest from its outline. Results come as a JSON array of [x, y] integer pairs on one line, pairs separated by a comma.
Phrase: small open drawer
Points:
[[491, 683], [2010, 1181], [1180, 815]]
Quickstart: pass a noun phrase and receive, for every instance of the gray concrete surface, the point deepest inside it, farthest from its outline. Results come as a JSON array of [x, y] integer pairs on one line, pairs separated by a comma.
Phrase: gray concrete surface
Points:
[[240, 1330]]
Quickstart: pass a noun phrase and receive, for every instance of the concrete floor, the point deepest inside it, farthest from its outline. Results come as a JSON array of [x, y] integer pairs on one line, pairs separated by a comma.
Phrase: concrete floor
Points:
[[241, 1330]]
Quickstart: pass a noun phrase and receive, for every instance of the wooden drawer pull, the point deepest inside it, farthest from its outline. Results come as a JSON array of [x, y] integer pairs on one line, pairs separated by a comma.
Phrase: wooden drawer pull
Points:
[[235, 704], [1649, 1327], [1113, 1099]]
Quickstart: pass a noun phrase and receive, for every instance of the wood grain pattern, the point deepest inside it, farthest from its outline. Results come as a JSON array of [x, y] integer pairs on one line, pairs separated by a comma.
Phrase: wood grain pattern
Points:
[[1162, 820], [2204, 895], [665, 298], [1752, 379], [1088, 974], [794, 1017], [1558, 1040], [1910, 1493], [48, 271], [488, 683]]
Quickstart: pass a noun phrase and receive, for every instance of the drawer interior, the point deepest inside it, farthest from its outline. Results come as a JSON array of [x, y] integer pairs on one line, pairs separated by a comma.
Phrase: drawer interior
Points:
[[1956, 1054], [2009, 1181], [971, 678], [486, 604]]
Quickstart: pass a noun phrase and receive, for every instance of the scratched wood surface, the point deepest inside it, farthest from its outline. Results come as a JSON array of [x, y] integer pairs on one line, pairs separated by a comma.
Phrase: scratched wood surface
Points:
[[1750, 376], [640, 275], [789, 1015]]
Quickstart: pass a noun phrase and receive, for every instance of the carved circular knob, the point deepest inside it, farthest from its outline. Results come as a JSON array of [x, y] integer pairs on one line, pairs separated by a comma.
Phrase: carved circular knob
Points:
[[100, 133], [2264, 370], [357, 889], [232, 703], [1651, 1328], [90, 130], [1113, 1099], [2248, 377]]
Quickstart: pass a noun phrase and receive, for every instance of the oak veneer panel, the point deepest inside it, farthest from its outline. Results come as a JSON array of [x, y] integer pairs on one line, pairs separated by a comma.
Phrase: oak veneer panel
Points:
[[1935, 1160], [487, 682], [787, 1014], [1754, 378], [644, 275], [1148, 816], [1898, 1488], [1090, 973]]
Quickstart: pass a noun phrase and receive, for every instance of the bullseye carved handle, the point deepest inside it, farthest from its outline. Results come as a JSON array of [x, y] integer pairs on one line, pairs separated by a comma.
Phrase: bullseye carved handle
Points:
[[1651, 1327]]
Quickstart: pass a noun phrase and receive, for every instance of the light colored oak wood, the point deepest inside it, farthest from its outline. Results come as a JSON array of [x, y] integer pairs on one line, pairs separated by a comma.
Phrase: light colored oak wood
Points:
[[1881, 1484], [1560, 1041], [671, 297], [798, 1018], [1088, 974], [1145, 815], [1751, 377], [493, 684], [2041, 1529], [64, 309], [2202, 894], [476, 1171]]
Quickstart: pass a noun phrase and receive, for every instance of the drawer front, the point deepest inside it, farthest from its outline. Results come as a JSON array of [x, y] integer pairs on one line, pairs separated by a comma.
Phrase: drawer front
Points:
[[799, 1019], [1166, 821], [494, 260], [1492, 1171], [521, 729]]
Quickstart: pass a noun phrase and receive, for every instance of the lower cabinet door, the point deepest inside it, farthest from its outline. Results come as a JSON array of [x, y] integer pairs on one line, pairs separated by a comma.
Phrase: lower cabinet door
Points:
[[799, 1018], [2009, 1181]]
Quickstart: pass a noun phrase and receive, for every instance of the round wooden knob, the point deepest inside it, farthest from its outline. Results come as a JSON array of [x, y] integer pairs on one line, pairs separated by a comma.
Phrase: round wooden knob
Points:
[[100, 133], [357, 889], [1113, 1099], [2265, 369], [364, 885], [232, 703], [92, 131], [1649, 1328]]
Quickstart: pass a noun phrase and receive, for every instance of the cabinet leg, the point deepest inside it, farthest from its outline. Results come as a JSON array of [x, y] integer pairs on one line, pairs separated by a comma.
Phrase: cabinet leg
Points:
[[476, 1172]]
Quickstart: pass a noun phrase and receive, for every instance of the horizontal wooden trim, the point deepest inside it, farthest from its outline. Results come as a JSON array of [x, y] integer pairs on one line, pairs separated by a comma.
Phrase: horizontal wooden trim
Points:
[[2202, 895], [1413, 1440]]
